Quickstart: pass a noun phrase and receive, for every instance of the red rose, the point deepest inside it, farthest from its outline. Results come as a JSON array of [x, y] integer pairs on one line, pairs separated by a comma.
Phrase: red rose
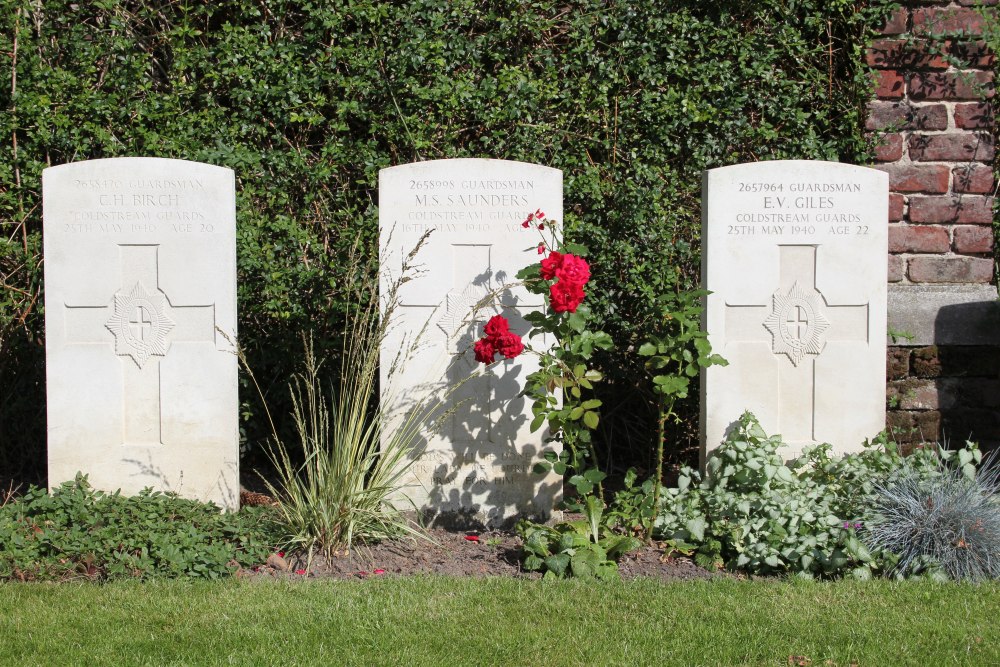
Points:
[[509, 345], [573, 269], [496, 326], [551, 264], [484, 350], [565, 297]]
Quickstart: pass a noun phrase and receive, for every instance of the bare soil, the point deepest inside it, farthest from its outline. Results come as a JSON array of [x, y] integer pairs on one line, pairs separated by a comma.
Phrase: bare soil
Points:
[[457, 554]]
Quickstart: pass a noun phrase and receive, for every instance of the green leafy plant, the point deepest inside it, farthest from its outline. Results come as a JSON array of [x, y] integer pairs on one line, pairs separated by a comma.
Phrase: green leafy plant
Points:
[[77, 532], [586, 548], [756, 513], [676, 354]]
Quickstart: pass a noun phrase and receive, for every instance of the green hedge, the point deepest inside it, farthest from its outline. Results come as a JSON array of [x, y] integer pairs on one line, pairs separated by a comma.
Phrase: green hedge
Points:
[[307, 100]]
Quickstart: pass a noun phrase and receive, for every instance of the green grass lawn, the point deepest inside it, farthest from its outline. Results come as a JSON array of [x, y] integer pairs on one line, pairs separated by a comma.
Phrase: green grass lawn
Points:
[[436, 621]]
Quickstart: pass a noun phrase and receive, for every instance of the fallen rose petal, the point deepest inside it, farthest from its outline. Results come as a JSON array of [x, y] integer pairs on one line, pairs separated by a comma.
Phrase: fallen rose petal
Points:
[[379, 571], [300, 571], [472, 538]]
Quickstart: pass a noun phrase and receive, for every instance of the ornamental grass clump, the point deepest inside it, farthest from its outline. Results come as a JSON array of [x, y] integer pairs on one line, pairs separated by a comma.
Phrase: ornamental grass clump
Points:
[[339, 485], [945, 525]]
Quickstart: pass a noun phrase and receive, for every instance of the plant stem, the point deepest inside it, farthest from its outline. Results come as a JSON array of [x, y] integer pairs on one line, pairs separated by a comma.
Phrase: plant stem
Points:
[[661, 421]]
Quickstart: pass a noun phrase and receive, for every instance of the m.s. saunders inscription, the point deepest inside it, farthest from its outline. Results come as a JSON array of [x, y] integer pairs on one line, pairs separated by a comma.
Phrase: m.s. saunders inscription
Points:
[[795, 260], [140, 310]]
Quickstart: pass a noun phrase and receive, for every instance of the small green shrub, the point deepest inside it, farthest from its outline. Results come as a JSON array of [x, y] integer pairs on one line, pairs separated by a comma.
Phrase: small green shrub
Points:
[[77, 532], [585, 548], [755, 513]]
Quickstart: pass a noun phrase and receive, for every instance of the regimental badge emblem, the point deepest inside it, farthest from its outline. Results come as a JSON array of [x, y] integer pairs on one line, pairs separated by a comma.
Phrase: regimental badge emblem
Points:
[[797, 323], [463, 310], [140, 324]]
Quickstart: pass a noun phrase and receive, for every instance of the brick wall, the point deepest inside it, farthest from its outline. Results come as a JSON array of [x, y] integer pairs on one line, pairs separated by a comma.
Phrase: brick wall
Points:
[[937, 128]]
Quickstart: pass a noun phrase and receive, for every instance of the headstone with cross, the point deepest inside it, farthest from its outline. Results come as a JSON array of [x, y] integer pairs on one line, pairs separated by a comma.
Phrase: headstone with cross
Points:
[[140, 317], [478, 459], [795, 256]]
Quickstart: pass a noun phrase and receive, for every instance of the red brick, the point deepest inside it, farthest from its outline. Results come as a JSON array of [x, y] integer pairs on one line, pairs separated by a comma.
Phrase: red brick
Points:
[[918, 238], [971, 55], [896, 202], [973, 238], [902, 116], [967, 85], [954, 147], [914, 427], [950, 270], [974, 116], [897, 362], [938, 20], [889, 148], [897, 22], [905, 54], [972, 178], [889, 84], [922, 394], [895, 269], [964, 209], [933, 178]]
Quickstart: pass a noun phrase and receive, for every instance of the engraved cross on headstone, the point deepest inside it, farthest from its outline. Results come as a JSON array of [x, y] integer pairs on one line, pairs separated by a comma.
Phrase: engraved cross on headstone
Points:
[[142, 323], [458, 324], [797, 326]]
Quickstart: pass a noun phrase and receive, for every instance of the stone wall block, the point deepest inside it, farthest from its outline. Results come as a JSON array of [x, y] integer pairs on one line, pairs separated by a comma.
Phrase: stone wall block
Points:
[[974, 116], [889, 148], [963, 209], [897, 23], [897, 362], [908, 426], [957, 147], [972, 178], [918, 238], [973, 239], [889, 85], [930, 178], [896, 268], [966, 85], [938, 20], [931, 269]]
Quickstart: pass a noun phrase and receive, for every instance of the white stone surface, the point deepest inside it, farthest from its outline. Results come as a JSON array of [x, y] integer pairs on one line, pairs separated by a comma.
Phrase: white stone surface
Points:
[[140, 276], [794, 253], [480, 462]]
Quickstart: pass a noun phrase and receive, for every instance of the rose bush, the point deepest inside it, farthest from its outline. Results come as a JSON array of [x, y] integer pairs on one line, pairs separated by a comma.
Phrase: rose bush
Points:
[[557, 387]]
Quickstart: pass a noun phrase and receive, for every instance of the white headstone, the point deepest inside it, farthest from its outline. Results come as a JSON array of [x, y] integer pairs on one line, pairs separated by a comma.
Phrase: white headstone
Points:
[[479, 462], [794, 253], [140, 279]]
